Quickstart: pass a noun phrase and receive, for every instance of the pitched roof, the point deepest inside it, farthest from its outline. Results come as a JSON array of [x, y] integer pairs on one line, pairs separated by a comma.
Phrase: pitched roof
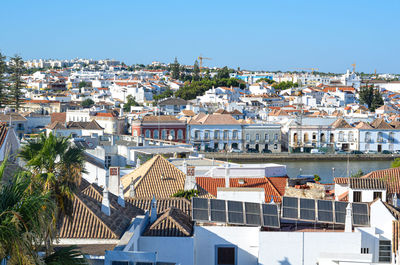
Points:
[[161, 118], [341, 123], [156, 177], [391, 176], [172, 101], [172, 222], [189, 113], [274, 186], [3, 132], [380, 123], [11, 116], [214, 119], [367, 184], [87, 125], [56, 126], [363, 126], [89, 222], [58, 116]]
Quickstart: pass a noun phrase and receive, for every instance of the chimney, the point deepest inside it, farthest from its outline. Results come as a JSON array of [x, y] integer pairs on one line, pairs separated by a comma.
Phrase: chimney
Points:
[[132, 193], [105, 204], [190, 182], [184, 167], [138, 162], [395, 202], [121, 200], [114, 180], [227, 175], [153, 210], [348, 225]]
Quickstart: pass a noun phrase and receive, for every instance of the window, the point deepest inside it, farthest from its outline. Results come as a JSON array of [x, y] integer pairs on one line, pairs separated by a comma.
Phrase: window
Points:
[[266, 137], [225, 255], [225, 135], [164, 134], [155, 134], [108, 161], [275, 137], [391, 137], [377, 194], [235, 135], [380, 138], [147, 134], [257, 137], [134, 133], [351, 137], [180, 134], [247, 137], [216, 134], [384, 251], [364, 250], [197, 135], [367, 137], [206, 135], [172, 135], [314, 136], [341, 138], [275, 146], [357, 196]]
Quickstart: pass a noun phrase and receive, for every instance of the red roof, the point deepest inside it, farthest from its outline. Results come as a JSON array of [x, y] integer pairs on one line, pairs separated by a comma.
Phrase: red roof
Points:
[[104, 114], [274, 186]]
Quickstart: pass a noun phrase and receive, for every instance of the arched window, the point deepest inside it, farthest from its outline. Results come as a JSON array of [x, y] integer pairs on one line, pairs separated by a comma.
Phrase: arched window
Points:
[[257, 137], [306, 137], [323, 138], [164, 134], [180, 134], [155, 134], [172, 134], [295, 138], [147, 134]]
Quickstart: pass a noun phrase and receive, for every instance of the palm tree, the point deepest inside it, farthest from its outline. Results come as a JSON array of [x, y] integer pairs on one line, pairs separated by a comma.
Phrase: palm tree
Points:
[[26, 216], [57, 166]]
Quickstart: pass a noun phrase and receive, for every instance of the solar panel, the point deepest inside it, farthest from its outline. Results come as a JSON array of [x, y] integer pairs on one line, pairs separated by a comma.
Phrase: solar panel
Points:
[[325, 211], [340, 212], [307, 209], [200, 209], [253, 216], [290, 208], [218, 210], [235, 212], [360, 214], [270, 215]]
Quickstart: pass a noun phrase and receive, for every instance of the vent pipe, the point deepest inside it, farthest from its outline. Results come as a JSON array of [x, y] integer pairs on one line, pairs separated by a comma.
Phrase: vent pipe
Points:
[[348, 225], [105, 204]]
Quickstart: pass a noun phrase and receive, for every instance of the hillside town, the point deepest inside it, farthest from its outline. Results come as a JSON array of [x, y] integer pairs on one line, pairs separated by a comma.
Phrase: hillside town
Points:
[[135, 156]]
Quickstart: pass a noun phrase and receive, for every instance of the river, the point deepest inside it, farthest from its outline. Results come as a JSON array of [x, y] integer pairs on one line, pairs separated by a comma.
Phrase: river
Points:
[[324, 168]]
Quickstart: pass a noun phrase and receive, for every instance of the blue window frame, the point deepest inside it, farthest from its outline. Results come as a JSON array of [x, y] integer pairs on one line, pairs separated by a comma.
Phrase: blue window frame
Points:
[[225, 255]]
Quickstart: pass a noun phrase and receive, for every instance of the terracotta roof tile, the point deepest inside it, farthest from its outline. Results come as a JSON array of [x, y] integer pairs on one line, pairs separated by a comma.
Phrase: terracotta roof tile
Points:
[[274, 186], [391, 176], [156, 177], [172, 222]]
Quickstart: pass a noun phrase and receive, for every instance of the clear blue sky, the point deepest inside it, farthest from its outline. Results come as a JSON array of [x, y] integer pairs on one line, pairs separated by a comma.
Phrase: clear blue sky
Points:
[[269, 35]]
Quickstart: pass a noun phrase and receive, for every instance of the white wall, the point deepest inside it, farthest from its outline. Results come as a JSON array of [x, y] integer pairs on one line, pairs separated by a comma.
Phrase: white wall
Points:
[[304, 247], [382, 219], [242, 194], [179, 250], [366, 195], [207, 237]]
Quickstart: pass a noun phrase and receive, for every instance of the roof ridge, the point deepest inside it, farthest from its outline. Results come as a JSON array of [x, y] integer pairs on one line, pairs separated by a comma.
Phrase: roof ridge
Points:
[[147, 171], [96, 216], [273, 186]]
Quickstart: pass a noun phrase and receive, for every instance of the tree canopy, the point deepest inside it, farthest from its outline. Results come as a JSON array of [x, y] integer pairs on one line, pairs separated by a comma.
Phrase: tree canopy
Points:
[[284, 85], [87, 103], [175, 69], [371, 97], [130, 102], [17, 68]]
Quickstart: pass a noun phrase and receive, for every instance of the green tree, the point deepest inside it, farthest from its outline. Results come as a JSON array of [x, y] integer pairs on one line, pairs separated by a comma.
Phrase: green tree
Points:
[[317, 178], [166, 94], [207, 74], [188, 194], [367, 95], [223, 73], [87, 103], [17, 68], [57, 166], [396, 163], [175, 69], [84, 84], [284, 85], [196, 71], [358, 174], [266, 80], [377, 100], [129, 103], [3, 93]]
